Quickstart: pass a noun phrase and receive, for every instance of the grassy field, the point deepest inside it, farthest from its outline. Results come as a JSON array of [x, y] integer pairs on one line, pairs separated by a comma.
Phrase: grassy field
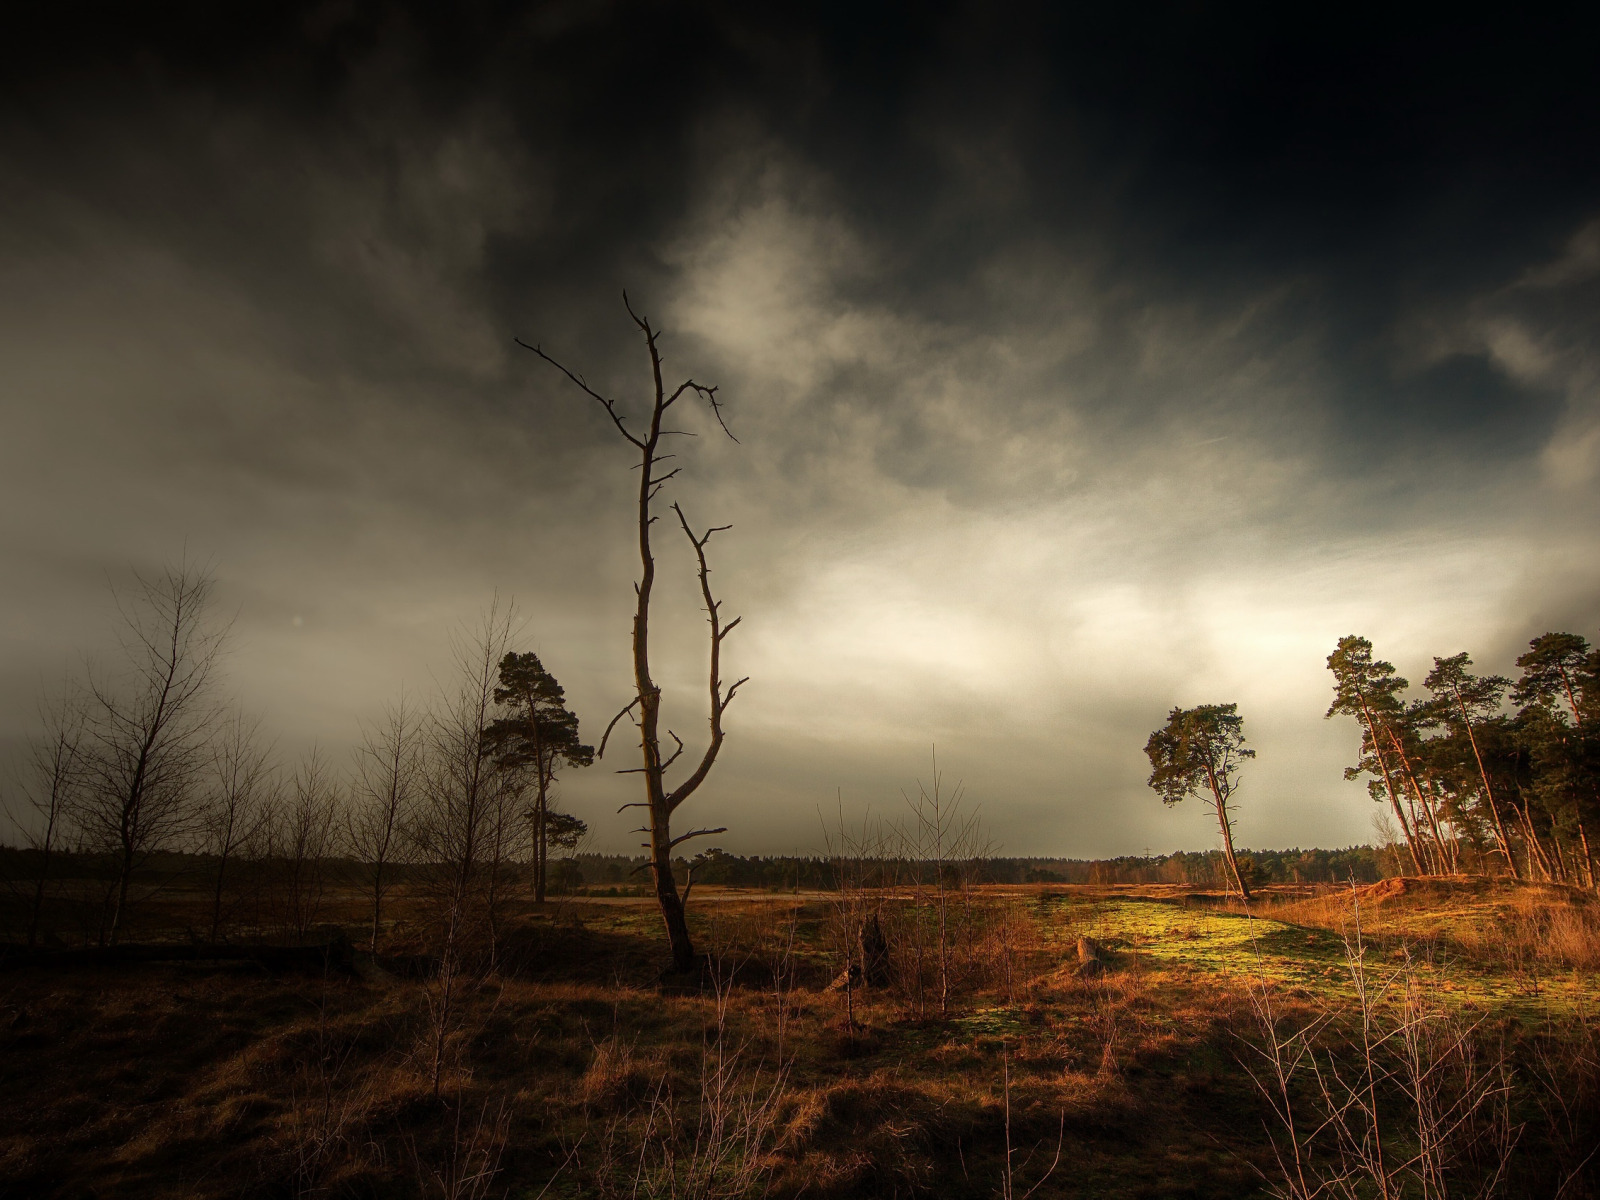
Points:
[[999, 1064]]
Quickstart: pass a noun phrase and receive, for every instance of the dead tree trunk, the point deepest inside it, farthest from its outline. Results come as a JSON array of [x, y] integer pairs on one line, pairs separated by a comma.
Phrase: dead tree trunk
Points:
[[660, 801]]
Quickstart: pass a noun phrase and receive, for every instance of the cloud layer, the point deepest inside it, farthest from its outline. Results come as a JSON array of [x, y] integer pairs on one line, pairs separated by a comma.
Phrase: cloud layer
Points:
[[1064, 393]]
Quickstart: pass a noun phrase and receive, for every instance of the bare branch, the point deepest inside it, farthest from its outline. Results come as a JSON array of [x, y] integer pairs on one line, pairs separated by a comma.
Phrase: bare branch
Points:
[[675, 753], [719, 701], [637, 319], [684, 837], [608, 405], [601, 753]]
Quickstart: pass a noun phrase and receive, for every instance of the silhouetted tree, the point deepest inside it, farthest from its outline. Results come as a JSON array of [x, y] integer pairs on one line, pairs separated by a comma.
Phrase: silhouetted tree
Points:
[[563, 831], [461, 817], [145, 748], [388, 771], [1198, 752], [305, 821], [51, 781], [662, 801], [236, 803], [537, 733]]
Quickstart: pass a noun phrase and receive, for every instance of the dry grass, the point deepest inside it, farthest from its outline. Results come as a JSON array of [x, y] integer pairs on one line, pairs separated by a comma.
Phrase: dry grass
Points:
[[1526, 926], [572, 1073]]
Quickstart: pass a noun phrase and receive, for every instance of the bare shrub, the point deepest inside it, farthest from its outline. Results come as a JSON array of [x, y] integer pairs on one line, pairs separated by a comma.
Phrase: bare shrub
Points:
[[466, 1166], [330, 1100], [1399, 1096], [715, 1140], [1565, 1068]]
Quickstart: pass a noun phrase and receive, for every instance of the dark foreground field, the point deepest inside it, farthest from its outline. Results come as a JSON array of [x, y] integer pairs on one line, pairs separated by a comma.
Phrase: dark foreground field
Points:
[[1459, 1040]]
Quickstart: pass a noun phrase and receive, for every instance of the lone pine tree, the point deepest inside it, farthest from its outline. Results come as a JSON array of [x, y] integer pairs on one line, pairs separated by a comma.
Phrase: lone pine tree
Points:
[[1198, 753], [537, 733]]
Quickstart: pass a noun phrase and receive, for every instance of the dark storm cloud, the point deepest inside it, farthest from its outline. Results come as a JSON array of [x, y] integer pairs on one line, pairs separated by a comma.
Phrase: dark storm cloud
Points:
[[1083, 363]]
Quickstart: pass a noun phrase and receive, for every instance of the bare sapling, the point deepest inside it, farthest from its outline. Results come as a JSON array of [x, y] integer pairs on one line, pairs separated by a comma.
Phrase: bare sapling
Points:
[[471, 1160], [661, 800], [51, 782], [944, 838], [385, 794], [718, 1143], [1012, 1169], [307, 820], [148, 722], [234, 808], [462, 794], [859, 867]]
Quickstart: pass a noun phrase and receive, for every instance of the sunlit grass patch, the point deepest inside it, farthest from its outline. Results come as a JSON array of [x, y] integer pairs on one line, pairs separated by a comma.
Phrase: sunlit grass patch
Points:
[[1245, 948]]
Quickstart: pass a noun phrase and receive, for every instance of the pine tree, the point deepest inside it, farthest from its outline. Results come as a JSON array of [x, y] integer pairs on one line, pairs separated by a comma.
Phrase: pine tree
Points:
[[537, 733], [1198, 753], [1369, 690]]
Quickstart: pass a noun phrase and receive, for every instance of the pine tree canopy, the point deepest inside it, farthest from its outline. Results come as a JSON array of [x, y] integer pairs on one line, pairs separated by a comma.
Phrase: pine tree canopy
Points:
[[537, 729]]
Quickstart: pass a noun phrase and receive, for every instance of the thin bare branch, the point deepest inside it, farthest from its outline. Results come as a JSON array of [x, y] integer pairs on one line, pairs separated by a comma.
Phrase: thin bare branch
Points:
[[632, 704], [608, 405], [675, 754], [684, 837]]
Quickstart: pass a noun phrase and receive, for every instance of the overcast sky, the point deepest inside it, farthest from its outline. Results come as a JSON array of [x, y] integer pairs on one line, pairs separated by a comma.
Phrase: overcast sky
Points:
[[1081, 366]]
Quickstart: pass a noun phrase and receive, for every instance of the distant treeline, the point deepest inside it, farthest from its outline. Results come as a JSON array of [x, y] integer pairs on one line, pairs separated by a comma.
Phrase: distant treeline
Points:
[[1364, 864], [22, 867]]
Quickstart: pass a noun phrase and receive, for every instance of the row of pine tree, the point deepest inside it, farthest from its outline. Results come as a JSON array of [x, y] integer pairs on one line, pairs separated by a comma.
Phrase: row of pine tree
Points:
[[1482, 772]]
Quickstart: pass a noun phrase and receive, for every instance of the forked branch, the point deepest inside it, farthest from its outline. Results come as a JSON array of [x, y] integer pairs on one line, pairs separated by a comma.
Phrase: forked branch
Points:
[[719, 698]]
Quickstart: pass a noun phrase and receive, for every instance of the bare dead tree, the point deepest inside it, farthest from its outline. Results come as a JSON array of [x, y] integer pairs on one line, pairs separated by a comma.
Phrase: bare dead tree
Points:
[[235, 807], [661, 800], [388, 774], [148, 724]]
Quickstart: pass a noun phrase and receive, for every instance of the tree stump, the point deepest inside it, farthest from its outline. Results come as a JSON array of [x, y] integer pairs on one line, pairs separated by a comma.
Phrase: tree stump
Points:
[[1091, 960], [874, 954]]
